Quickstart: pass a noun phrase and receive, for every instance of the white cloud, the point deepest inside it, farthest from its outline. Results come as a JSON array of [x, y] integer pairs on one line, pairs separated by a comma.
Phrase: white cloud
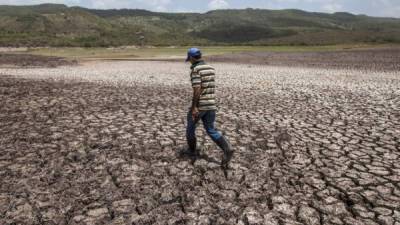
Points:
[[218, 4], [156, 2], [332, 7], [158, 5], [390, 12]]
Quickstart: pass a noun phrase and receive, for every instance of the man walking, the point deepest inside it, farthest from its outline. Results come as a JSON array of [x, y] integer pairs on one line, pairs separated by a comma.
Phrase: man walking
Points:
[[204, 106]]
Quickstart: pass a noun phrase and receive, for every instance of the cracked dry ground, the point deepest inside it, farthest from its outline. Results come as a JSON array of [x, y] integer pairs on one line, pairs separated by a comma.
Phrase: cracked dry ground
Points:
[[89, 153]]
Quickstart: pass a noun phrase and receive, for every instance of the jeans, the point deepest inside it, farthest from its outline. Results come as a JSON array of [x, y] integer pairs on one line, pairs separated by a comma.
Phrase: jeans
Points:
[[208, 118]]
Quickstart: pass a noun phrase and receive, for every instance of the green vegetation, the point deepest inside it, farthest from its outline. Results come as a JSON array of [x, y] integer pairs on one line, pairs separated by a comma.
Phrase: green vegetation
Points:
[[177, 52], [59, 25]]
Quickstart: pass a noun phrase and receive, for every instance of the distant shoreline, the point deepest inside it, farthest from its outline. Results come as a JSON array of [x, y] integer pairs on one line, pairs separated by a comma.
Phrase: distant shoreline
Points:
[[368, 58]]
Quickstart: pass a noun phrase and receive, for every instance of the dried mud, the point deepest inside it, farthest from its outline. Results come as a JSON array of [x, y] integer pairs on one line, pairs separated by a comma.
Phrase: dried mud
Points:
[[380, 59], [26, 60], [309, 148]]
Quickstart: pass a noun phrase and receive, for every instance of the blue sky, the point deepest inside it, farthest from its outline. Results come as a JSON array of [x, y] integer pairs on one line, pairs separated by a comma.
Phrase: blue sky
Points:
[[388, 8]]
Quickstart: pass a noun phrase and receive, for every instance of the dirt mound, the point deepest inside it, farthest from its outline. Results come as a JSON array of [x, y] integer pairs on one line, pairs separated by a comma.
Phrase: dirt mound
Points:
[[25, 60]]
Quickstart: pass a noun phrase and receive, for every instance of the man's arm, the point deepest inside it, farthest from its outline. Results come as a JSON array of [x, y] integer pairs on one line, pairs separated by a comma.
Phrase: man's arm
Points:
[[196, 84], [196, 97], [195, 101]]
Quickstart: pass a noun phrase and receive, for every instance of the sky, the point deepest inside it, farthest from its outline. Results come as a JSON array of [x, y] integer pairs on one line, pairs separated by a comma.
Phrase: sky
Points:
[[383, 8]]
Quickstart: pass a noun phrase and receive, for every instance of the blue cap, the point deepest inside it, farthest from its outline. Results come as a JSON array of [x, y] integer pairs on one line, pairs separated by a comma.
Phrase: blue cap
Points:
[[193, 52]]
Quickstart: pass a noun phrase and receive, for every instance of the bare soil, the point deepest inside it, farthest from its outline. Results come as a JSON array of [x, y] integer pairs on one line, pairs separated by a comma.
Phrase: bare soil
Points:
[[382, 59], [311, 151], [26, 60]]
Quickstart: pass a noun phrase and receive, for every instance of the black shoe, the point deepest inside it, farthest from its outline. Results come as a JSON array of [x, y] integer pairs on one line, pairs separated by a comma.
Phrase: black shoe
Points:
[[192, 151], [228, 153]]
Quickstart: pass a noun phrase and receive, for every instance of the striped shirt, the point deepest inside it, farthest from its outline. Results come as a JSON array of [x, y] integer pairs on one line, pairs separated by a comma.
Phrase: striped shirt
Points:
[[203, 75]]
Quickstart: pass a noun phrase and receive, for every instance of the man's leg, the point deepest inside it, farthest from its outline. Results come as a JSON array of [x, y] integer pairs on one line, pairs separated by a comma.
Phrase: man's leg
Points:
[[217, 137], [209, 124], [191, 132]]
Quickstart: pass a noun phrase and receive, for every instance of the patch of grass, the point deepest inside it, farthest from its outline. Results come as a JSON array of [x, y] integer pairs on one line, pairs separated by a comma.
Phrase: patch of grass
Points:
[[179, 52]]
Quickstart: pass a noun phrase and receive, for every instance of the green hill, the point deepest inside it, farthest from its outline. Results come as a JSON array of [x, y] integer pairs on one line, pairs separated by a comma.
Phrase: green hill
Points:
[[59, 25]]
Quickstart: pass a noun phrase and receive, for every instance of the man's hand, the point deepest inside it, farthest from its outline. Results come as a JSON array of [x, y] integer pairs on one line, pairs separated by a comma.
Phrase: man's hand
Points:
[[195, 102], [195, 113]]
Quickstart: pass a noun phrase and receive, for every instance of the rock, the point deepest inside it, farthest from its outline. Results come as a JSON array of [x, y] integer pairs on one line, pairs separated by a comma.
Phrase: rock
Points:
[[270, 219], [78, 218], [308, 215], [99, 212], [252, 217], [123, 206]]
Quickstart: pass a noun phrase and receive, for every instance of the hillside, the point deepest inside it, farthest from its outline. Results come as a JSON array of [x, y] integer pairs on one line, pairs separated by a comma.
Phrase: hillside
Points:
[[59, 25]]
